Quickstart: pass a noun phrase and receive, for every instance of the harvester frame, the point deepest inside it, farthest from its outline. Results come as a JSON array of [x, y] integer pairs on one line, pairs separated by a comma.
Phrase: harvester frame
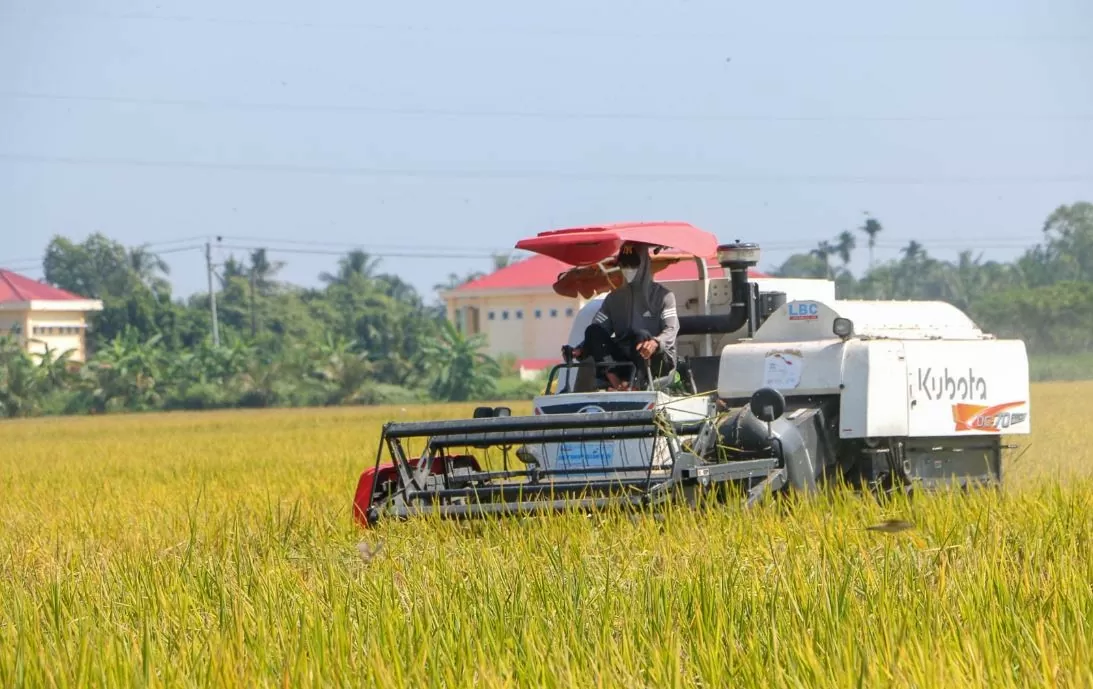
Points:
[[795, 392], [456, 485]]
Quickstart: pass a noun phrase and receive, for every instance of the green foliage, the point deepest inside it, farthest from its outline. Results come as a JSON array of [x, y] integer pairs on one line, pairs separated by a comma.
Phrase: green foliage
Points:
[[367, 337], [512, 388], [1061, 367], [457, 370], [1045, 297]]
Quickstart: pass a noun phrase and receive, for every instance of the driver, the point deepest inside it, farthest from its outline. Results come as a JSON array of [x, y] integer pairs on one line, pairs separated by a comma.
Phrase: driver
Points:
[[636, 322]]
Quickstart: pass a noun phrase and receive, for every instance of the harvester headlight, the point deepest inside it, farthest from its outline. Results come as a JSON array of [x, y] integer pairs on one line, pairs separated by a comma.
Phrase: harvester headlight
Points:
[[738, 252], [843, 327]]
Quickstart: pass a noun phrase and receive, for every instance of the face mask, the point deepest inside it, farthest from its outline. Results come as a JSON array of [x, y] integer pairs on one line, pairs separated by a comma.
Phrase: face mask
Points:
[[629, 274]]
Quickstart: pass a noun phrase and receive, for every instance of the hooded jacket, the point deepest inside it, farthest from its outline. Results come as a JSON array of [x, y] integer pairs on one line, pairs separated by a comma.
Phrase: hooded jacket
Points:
[[642, 305]]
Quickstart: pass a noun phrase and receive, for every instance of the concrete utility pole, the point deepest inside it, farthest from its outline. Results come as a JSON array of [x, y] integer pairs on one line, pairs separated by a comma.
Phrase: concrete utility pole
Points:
[[212, 294]]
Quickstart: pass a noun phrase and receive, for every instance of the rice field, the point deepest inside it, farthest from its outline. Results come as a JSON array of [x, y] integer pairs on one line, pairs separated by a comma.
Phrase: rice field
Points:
[[217, 549]]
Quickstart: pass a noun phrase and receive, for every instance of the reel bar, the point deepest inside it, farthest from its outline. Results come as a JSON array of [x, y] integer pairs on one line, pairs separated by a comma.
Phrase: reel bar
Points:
[[474, 510], [547, 435], [501, 424], [540, 473], [514, 491]]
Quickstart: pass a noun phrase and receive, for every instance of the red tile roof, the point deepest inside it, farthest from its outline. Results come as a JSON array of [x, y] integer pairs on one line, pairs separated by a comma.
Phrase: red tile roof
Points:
[[537, 271], [542, 271], [18, 288]]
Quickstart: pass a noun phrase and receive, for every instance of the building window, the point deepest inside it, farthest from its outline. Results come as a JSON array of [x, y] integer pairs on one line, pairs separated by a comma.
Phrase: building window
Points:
[[519, 314], [569, 313], [538, 313], [504, 315], [554, 313], [491, 315]]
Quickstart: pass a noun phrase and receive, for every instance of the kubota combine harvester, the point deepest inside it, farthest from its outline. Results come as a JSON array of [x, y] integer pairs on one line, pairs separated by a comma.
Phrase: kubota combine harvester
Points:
[[772, 393]]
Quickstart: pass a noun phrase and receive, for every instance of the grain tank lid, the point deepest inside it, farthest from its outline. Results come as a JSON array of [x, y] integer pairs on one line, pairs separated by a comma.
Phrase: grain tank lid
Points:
[[908, 319], [799, 321]]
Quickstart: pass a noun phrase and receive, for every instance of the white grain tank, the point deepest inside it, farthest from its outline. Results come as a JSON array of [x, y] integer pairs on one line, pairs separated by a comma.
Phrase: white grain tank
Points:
[[899, 369]]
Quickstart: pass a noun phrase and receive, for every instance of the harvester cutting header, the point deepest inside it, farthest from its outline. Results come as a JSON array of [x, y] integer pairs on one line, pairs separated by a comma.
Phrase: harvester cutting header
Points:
[[668, 391]]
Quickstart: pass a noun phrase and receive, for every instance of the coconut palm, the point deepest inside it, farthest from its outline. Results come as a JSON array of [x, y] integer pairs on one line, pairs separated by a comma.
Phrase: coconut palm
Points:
[[355, 264], [149, 268], [824, 251], [871, 228], [456, 366], [844, 247]]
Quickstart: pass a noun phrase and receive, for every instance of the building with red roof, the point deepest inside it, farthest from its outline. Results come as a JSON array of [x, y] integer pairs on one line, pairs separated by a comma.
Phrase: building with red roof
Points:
[[41, 316], [520, 314]]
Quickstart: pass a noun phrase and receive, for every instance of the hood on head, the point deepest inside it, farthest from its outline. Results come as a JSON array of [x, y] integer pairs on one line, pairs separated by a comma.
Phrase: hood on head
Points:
[[636, 256]]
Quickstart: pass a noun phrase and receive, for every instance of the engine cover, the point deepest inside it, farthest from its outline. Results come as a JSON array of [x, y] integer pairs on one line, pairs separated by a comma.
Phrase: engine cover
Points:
[[931, 377]]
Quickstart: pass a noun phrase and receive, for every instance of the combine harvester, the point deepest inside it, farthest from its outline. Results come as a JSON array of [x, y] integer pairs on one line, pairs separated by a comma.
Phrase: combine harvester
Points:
[[777, 390]]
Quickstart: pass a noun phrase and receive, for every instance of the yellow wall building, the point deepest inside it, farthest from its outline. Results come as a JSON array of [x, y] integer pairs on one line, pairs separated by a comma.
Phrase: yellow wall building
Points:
[[40, 316], [521, 315], [517, 311]]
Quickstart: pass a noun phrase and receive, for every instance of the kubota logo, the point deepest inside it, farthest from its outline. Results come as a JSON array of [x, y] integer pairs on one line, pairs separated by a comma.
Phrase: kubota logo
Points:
[[976, 417]]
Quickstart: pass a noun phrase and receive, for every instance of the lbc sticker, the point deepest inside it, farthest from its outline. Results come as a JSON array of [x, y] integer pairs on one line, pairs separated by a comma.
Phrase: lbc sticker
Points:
[[805, 311]]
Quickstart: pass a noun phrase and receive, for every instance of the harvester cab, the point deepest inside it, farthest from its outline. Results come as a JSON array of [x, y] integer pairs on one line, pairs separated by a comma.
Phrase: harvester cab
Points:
[[778, 389]]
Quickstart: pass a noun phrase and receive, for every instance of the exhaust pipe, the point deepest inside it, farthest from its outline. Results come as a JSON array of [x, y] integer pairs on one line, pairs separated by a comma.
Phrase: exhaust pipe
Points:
[[735, 258]]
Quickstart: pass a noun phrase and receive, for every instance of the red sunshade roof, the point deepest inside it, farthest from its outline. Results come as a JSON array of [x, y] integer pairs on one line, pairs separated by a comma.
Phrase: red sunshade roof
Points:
[[587, 281], [587, 245]]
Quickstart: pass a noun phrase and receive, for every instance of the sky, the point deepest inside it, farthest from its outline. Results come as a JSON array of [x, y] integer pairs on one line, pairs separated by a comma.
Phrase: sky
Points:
[[426, 127]]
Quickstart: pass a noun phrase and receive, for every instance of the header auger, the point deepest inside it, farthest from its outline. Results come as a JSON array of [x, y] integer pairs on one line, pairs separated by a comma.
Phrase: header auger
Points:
[[799, 387]]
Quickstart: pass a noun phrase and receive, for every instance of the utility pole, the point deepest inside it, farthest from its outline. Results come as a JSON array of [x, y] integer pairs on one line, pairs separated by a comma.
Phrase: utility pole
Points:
[[212, 294], [253, 315]]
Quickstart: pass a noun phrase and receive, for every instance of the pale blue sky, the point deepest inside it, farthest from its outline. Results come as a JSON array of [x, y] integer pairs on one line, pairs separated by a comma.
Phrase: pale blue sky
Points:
[[427, 123]]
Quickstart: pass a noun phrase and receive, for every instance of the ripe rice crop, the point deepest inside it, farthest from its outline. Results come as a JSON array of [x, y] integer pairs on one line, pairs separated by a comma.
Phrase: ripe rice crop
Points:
[[217, 549]]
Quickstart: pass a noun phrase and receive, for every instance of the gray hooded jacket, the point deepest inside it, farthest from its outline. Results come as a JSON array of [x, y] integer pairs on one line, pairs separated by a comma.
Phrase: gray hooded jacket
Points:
[[642, 305]]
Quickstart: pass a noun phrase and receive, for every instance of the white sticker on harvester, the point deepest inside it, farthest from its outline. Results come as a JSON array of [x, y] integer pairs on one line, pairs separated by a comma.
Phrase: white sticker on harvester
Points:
[[782, 369]]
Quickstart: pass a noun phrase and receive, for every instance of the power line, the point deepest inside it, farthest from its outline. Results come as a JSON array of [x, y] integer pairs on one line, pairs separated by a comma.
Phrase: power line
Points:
[[993, 242], [436, 252], [532, 114], [750, 35], [328, 252], [13, 261], [528, 173], [180, 240], [176, 250], [369, 247]]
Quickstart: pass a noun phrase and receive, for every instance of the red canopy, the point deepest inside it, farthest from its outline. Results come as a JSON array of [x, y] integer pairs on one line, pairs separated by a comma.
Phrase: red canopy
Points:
[[588, 245]]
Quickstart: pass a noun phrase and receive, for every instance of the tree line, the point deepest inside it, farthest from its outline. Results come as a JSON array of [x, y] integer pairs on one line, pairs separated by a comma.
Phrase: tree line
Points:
[[362, 337], [1044, 296], [365, 336]]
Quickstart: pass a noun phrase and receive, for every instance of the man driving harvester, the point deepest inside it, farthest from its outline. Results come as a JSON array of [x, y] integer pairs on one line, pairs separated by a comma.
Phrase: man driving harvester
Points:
[[637, 323]]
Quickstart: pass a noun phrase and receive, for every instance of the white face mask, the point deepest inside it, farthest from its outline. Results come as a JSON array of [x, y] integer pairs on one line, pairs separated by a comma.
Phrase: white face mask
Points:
[[629, 274]]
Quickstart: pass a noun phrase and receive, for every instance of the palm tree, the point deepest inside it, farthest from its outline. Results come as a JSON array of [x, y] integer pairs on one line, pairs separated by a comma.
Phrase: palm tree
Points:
[[149, 268], [233, 268], [398, 289], [342, 367], [125, 374], [917, 272], [871, 228], [823, 251], [356, 264], [459, 370], [844, 245], [913, 252], [24, 382], [262, 270]]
